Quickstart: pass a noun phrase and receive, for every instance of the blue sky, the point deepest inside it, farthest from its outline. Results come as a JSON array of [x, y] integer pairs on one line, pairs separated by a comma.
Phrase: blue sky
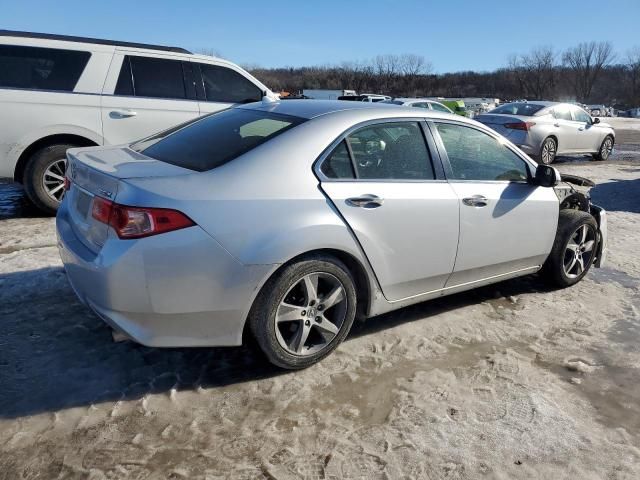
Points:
[[453, 34]]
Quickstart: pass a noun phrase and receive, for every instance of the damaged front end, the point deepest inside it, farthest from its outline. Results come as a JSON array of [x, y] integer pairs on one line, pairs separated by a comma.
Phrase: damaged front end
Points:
[[574, 193]]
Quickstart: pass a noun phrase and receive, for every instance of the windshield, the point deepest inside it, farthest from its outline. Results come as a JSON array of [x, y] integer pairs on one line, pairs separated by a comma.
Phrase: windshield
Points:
[[216, 139], [524, 109]]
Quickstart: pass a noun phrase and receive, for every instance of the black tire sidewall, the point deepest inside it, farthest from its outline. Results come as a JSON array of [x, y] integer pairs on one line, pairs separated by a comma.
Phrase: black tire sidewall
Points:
[[598, 156], [262, 315], [34, 172], [568, 222], [541, 158]]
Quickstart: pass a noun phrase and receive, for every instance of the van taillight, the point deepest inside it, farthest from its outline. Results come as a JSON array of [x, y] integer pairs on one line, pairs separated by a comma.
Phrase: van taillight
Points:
[[520, 125], [138, 222]]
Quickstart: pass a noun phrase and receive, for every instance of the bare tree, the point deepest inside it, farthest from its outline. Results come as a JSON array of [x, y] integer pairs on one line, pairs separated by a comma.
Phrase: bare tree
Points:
[[535, 72], [633, 74], [585, 63]]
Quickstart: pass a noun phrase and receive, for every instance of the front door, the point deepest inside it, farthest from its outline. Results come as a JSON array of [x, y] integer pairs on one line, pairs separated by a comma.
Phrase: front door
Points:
[[589, 136], [506, 224], [381, 179], [150, 94]]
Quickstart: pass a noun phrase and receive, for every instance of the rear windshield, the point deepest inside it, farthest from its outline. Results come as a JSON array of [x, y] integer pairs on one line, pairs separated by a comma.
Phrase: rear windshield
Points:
[[214, 140], [524, 109]]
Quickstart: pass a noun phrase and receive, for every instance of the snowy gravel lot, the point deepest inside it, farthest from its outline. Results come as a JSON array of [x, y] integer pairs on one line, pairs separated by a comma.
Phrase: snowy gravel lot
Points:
[[509, 381]]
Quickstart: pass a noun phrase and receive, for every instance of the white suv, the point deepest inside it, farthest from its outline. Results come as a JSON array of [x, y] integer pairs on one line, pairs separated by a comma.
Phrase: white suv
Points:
[[59, 92]]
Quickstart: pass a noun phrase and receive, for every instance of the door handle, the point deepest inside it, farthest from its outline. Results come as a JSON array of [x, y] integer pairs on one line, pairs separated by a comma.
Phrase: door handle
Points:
[[123, 113], [475, 201], [365, 201]]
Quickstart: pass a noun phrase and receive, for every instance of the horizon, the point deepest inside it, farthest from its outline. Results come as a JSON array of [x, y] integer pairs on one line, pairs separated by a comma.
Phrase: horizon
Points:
[[325, 35]]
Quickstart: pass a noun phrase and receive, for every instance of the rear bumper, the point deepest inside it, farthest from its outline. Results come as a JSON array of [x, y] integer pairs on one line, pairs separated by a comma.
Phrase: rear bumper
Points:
[[178, 289]]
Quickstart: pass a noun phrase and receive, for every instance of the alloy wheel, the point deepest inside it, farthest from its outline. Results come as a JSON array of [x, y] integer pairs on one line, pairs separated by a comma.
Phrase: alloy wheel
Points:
[[53, 179], [548, 152], [607, 147], [311, 314], [579, 251]]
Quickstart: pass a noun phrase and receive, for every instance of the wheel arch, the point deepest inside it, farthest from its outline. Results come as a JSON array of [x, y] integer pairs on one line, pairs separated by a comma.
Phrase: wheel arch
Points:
[[364, 288], [55, 139]]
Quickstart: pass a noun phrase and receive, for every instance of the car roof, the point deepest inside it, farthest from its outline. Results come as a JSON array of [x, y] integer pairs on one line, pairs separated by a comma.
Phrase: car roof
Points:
[[415, 99], [309, 109]]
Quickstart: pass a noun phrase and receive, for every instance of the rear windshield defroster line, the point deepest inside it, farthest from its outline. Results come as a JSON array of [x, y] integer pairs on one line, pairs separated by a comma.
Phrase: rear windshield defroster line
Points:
[[216, 139]]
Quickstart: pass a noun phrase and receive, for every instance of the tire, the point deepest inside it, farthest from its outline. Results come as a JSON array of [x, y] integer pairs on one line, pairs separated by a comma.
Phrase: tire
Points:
[[548, 151], [561, 269], [283, 312], [605, 149], [48, 160]]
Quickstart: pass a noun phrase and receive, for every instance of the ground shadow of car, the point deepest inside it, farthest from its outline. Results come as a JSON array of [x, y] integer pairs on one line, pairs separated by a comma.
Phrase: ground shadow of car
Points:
[[55, 353], [618, 195]]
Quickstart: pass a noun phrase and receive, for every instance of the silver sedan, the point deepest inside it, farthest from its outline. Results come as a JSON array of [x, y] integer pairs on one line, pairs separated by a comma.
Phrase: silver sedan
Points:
[[286, 221], [547, 129]]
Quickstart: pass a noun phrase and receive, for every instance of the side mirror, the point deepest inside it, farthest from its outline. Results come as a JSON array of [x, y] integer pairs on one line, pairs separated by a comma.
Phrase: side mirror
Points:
[[547, 176], [596, 120]]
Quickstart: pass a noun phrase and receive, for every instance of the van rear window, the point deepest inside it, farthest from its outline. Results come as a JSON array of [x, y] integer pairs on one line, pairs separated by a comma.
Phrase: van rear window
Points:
[[216, 139], [41, 68]]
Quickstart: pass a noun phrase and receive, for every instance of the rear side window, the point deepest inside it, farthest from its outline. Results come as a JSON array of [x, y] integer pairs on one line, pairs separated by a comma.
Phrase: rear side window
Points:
[[41, 68], [152, 77], [222, 84], [440, 108], [214, 140], [338, 164]]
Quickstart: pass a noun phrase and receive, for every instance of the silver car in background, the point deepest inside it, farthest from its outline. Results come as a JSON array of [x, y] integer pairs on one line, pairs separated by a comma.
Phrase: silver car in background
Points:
[[420, 103], [547, 129], [286, 220]]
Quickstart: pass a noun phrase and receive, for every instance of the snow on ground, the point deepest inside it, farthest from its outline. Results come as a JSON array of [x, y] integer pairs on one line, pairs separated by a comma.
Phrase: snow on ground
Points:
[[509, 381]]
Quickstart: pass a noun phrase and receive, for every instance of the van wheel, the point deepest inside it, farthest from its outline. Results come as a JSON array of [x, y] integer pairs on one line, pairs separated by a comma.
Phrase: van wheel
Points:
[[44, 177], [605, 149], [548, 151], [304, 312], [574, 249]]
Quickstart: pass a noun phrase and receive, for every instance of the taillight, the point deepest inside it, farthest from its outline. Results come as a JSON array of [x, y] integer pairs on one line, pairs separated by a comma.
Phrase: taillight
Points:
[[520, 125], [67, 184], [138, 222]]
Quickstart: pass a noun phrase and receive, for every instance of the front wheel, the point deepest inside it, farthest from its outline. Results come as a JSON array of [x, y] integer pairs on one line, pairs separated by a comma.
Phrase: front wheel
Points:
[[605, 149], [304, 312], [548, 151], [574, 249]]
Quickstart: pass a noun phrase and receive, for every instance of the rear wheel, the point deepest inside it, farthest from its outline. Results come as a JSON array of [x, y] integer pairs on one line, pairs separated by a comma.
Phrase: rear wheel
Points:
[[548, 151], [304, 312], [44, 177], [605, 149], [574, 248]]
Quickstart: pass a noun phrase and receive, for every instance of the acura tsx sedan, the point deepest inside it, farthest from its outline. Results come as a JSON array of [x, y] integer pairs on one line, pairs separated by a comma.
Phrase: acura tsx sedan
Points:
[[285, 221], [547, 129]]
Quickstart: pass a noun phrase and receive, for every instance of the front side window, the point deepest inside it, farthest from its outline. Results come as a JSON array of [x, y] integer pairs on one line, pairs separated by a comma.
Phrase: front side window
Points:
[[474, 155], [440, 108], [41, 68], [420, 105], [211, 141], [393, 150], [154, 77], [580, 115], [221, 84]]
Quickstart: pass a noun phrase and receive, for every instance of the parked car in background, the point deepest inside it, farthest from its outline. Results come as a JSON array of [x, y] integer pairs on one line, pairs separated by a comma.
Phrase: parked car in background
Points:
[[365, 97], [419, 103], [326, 94], [457, 106], [293, 218], [546, 129], [597, 110], [59, 92]]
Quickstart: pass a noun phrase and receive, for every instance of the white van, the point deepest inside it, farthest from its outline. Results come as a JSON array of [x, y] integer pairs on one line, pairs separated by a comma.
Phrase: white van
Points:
[[59, 92]]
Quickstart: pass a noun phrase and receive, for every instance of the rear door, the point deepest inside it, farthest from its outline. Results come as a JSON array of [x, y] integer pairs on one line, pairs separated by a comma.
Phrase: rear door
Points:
[[382, 180], [506, 224], [589, 137], [149, 93], [220, 86]]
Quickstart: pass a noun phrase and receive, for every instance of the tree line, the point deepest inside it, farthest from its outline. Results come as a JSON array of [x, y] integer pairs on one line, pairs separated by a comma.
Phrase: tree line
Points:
[[590, 72]]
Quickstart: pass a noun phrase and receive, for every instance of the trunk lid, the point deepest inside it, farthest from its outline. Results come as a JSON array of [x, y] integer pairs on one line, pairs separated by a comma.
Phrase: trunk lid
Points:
[[496, 122], [99, 172]]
